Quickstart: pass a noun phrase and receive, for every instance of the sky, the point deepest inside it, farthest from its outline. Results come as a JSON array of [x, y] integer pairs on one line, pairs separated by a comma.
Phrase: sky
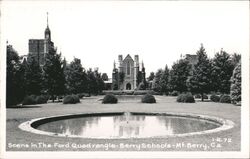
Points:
[[159, 32]]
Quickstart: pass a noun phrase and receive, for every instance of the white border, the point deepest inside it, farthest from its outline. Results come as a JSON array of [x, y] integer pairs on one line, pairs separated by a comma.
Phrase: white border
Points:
[[244, 153]]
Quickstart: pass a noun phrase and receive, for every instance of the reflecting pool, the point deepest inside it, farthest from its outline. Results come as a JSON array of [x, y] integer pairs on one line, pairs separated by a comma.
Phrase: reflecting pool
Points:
[[127, 125]]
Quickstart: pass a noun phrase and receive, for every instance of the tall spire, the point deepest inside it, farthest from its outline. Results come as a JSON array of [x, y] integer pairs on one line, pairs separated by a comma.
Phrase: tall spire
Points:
[[47, 19]]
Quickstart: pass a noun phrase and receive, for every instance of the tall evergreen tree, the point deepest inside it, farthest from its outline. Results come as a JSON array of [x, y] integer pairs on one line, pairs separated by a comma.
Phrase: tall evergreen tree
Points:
[[33, 77], [200, 81], [99, 81], [76, 78], [235, 58], [164, 81], [14, 78], [105, 77], [179, 74], [235, 91], [156, 82], [221, 72], [54, 74], [151, 76]]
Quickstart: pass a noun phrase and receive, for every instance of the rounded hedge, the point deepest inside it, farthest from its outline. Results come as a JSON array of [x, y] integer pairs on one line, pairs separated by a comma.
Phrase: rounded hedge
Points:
[[225, 99], [109, 99], [185, 98], [174, 93], [205, 96], [214, 98], [197, 96], [29, 100], [71, 99], [148, 98], [41, 99]]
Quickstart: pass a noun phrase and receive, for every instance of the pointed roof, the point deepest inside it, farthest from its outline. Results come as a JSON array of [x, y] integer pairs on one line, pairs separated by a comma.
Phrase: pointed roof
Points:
[[47, 30], [128, 57]]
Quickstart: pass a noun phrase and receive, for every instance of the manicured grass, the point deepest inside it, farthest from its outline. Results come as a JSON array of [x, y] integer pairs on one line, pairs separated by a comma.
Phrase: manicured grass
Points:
[[16, 116]]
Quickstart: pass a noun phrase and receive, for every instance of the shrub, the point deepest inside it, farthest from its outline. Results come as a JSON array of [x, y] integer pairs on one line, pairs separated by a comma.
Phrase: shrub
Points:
[[109, 99], [141, 92], [41, 99], [29, 100], [214, 98], [225, 99], [205, 96], [148, 98], [235, 89], [174, 93], [141, 86], [71, 99], [81, 95], [186, 98], [197, 96]]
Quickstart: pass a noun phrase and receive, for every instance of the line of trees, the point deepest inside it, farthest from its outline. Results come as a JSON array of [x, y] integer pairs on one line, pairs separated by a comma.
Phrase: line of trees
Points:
[[205, 76], [55, 78]]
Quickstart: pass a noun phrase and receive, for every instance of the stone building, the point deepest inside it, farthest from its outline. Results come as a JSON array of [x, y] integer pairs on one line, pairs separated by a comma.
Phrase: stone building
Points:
[[128, 74], [38, 48]]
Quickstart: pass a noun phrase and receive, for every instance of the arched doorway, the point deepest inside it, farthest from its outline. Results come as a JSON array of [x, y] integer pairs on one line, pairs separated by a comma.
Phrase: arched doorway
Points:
[[128, 86]]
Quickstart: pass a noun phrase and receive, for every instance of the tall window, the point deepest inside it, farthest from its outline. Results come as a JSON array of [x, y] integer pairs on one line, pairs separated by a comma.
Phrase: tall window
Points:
[[128, 68]]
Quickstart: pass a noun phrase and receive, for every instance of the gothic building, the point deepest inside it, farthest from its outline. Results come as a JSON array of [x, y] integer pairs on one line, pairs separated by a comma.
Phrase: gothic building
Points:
[[38, 48], [128, 74]]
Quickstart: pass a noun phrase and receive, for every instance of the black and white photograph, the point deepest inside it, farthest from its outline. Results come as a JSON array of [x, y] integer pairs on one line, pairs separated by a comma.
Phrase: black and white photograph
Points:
[[124, 79]]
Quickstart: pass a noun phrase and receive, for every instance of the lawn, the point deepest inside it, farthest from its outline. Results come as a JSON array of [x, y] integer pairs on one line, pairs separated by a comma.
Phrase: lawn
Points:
[[18, 140]]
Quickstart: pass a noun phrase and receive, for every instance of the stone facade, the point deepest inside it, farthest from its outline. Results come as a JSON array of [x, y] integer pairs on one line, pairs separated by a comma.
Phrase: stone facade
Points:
[[125, 77]]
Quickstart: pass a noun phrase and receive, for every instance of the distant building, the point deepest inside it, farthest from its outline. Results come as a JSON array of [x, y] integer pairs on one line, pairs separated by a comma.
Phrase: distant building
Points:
[[128, 74], [38, 48], [193, 59]]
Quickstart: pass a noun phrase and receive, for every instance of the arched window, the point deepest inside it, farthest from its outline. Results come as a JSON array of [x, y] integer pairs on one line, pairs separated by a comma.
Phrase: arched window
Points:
[[128, 68]]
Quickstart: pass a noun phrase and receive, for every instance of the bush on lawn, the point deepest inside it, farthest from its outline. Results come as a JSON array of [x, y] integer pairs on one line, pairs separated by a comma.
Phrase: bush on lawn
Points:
[[41, 99], [80, 95], [148, 98], [174, 93], [197, 96], [186, 98], [29, 100], [225, 99], [109, 99], [71, 99], [215, 98], [205, 96]]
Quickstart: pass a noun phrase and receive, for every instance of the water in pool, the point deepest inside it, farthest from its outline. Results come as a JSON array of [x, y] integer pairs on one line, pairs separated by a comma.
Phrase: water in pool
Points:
[[123, 126]]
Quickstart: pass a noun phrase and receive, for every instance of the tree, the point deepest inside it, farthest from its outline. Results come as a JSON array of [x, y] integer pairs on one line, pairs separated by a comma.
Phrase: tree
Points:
[[33, 77], [179, 74], [235, 58], [54, 74], [235, 91], [200, 82], [121, 77], [156, 82], [151, 76], [76, 77], [164, 81], [14, 78], [105, 77], [221, 72], [99, 81]]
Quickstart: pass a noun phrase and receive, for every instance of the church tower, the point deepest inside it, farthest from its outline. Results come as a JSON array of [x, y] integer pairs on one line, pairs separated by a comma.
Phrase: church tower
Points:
[[47, 33], [47, 37], [38, 48]]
